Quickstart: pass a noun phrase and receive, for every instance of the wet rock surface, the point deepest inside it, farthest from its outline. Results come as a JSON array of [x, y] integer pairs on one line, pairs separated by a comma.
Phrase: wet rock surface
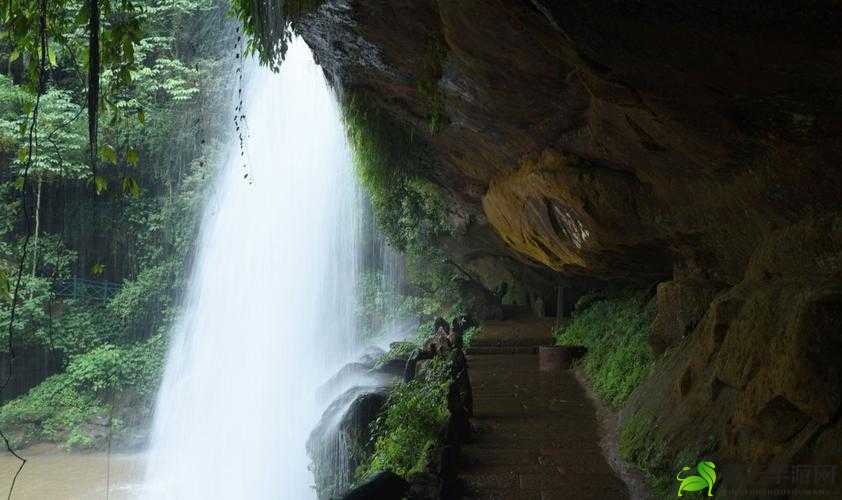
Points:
[[341, 439]]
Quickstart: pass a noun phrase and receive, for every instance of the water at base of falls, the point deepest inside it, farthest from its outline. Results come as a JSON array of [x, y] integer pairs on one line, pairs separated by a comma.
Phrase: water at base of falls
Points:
[[269, 311]]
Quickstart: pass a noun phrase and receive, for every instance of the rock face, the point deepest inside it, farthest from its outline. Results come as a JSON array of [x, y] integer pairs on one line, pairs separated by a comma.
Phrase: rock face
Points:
[[758, 380], [681, 303], [695, 144], [341, 440], [574, 135], [364, 372]]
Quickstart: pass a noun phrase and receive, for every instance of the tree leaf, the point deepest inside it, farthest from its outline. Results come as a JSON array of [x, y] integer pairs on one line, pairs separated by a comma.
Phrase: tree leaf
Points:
[[108, 153], [131, 186], [14, 56], [141, 117], [97, 269], [51, 55], [133, 157], [100, 184]]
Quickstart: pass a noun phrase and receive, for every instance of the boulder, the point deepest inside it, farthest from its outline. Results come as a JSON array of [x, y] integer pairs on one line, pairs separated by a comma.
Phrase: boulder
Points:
[[411, 367], [342, 438], [459, 326], [424, 486], [370, 355], [391, 368], [352, 375]]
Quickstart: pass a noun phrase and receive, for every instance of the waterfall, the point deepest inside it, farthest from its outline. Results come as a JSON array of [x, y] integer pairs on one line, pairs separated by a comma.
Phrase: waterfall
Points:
[[269, 313]]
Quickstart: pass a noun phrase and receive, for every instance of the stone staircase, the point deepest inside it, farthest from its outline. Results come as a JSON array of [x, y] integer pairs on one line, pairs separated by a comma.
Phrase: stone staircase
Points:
[[519, 335], [536, 435]]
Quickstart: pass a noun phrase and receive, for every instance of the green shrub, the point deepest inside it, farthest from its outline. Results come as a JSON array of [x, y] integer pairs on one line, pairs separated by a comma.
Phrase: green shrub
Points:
[[414, 415], [469, 335], [637, 444], [615, 332], [397, 350], [61, 408]]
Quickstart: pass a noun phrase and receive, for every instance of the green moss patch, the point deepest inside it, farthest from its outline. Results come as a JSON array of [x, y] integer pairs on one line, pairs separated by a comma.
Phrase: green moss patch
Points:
[[411, 423], [615, 331]]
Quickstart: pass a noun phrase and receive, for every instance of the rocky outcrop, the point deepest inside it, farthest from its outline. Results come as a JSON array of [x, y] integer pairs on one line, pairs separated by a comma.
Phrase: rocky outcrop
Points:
[[437, 479], [342, 438], [366, 371], [758, 380], [570, 135], [435, 476], [692, 144], [680, 304]]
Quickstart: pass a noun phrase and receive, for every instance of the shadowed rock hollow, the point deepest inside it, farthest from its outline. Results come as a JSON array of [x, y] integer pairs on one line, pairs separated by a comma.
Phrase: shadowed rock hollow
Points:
[[608, 139], [694, 145]]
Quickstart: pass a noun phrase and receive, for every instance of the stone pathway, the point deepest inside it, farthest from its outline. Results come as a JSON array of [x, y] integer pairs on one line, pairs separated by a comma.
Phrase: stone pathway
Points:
[[537, 433]]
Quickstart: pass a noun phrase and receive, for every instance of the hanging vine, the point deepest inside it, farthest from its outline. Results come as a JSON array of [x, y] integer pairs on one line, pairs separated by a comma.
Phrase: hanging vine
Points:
[[93, 80], [32, 144]]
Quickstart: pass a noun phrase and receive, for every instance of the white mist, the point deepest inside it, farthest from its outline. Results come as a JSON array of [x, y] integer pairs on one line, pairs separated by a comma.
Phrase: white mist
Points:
[[269, 312]]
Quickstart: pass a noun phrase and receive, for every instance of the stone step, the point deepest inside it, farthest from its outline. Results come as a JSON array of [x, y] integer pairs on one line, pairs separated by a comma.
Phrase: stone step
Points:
[[480, 349], [512, 342], [537, 434]]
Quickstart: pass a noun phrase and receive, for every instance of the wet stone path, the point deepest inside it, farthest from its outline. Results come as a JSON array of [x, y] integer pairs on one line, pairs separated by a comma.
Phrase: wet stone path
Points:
[[537, 435]]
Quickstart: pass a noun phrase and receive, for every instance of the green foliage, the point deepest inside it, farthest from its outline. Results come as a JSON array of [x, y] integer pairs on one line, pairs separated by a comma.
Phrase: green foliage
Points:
[[638, 445], [391, 164], [410, 424], [34, 324], [379, 304], [134, 224], [397, 350], [61, 125], [394, 167], [62, 408], [615, 331], [469, 335], [66, 36], [427, 84], [267, 26]]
